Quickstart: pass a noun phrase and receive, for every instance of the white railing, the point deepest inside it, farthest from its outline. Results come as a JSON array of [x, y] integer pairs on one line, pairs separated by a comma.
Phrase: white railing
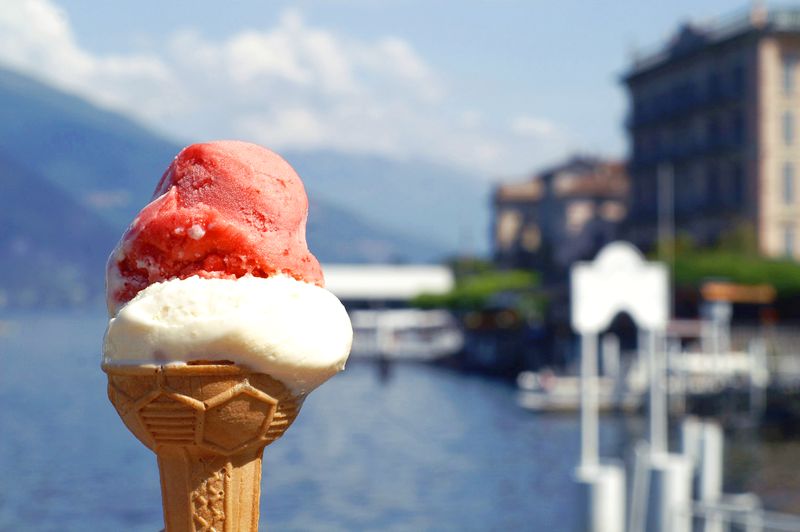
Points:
[[742, 514], [720, 28]]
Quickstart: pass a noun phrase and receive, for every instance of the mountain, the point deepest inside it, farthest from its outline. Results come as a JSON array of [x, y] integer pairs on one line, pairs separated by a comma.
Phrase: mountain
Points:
[[356, 241], [52, 249], [102, 159], [110, 163], [444, 205]]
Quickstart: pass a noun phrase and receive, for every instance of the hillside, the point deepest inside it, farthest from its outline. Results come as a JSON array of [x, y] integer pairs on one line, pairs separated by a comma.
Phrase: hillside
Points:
[[103, 160], [73, 175], [110, 163], [335, 235], [52, 249], [435, 202]]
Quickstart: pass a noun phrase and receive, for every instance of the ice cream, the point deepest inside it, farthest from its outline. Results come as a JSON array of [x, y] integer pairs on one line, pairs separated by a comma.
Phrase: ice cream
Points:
[[221, 210], [216, 267], [219, 327], [294, 331]]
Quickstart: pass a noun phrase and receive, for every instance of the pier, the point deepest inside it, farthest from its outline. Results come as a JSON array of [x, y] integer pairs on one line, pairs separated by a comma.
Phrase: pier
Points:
[[671, 490]]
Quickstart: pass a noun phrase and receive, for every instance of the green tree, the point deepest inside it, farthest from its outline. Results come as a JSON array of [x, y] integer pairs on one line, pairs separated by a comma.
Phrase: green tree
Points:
[[479, 284]]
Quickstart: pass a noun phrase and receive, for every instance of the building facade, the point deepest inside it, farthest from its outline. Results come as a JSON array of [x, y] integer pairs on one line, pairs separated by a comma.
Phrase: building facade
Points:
[[713, 133], [561, 215]]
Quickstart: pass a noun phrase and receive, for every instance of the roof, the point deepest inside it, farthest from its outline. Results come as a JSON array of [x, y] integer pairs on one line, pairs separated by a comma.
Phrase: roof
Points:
[[380, 282], [578, 176], [578, 164], [606, 180], [690, 38], [532, 190]]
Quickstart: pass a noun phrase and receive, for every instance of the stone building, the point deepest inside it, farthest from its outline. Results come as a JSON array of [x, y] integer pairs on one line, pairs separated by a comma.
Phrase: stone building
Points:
[[561, 215], [713, 131]]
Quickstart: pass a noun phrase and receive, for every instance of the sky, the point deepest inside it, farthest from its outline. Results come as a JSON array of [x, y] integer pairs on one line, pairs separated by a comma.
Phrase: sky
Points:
[[497, 88]]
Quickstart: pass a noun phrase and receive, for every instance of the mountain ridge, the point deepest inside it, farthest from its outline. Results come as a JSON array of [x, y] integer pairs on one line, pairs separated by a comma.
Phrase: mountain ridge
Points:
[[110, 162], [97, 168], [53, 260]]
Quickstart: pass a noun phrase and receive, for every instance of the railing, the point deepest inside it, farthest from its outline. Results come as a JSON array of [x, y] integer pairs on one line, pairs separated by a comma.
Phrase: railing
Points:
[[679, 153], [785, 19], [743, 514], [783, 348], [673, 107], [779, 19], [718, 30]]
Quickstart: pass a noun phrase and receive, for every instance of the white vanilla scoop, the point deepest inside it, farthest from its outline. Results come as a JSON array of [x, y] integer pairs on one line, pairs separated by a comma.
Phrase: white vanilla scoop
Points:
[[296, 332]]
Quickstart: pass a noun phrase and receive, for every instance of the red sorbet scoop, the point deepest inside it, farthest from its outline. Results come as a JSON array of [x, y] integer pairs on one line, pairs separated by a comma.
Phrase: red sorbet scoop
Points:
[[222, 210]]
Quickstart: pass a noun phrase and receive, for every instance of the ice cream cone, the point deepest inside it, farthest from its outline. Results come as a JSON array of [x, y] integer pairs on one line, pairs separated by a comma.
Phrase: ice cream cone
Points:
[[208, 423]]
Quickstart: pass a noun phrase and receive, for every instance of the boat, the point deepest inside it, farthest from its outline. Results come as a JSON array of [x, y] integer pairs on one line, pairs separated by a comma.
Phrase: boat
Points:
[[405, 334], [687, 374], [546, 391]]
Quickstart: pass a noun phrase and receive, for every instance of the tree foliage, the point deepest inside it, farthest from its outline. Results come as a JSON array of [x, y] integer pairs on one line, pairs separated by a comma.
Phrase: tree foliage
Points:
[[735, 258], [479, 286], [692, 269]]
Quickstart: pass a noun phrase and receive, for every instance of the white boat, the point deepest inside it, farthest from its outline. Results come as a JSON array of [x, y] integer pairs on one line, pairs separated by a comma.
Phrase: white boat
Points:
[[686, 373], [405, 334], [546, 391]]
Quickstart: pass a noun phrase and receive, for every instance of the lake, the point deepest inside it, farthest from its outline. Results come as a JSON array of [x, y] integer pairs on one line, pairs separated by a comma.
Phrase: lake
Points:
[[422, 448]]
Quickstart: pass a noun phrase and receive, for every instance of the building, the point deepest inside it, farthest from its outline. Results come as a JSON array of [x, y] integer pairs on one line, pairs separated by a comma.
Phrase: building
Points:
[[713, 131], [561, 215]]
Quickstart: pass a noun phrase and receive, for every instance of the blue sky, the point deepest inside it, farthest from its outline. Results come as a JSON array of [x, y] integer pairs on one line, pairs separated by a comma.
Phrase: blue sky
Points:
[[500, 88]]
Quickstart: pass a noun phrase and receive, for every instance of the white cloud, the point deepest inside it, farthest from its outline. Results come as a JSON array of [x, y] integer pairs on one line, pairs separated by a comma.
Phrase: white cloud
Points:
[[35, 36], [470, 119], [295, 126], [531, 126], [289, 85]]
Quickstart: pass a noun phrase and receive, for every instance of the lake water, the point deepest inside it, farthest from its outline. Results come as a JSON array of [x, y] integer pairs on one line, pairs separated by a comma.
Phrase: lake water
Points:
[[424, 449]]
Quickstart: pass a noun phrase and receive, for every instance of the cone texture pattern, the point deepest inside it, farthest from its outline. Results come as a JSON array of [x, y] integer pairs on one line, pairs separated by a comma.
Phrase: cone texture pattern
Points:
[[208, 425]]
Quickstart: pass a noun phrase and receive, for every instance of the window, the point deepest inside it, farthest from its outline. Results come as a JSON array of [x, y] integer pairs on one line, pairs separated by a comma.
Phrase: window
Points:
[[578, 214], [739, 185], [507, 229], [788, 127], [788, 240], [713, 132], [788, 183], [738, 79], [714, 85], [738, 128], [789, 64], [531, 238], [700, 189], [711, 192]]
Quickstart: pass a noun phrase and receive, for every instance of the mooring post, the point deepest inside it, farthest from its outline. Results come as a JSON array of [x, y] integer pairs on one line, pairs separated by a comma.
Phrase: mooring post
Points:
[[589, 402]]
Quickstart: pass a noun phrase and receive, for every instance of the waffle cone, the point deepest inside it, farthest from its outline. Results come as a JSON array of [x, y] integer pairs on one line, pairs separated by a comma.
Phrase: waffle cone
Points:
[[208, 425]]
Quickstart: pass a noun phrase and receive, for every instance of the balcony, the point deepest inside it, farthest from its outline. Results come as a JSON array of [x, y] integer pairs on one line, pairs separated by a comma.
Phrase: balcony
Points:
[[674, 108]]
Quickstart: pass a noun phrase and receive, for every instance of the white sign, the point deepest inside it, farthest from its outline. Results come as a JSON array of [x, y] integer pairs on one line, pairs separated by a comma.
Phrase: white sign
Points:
[[619, 280]]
